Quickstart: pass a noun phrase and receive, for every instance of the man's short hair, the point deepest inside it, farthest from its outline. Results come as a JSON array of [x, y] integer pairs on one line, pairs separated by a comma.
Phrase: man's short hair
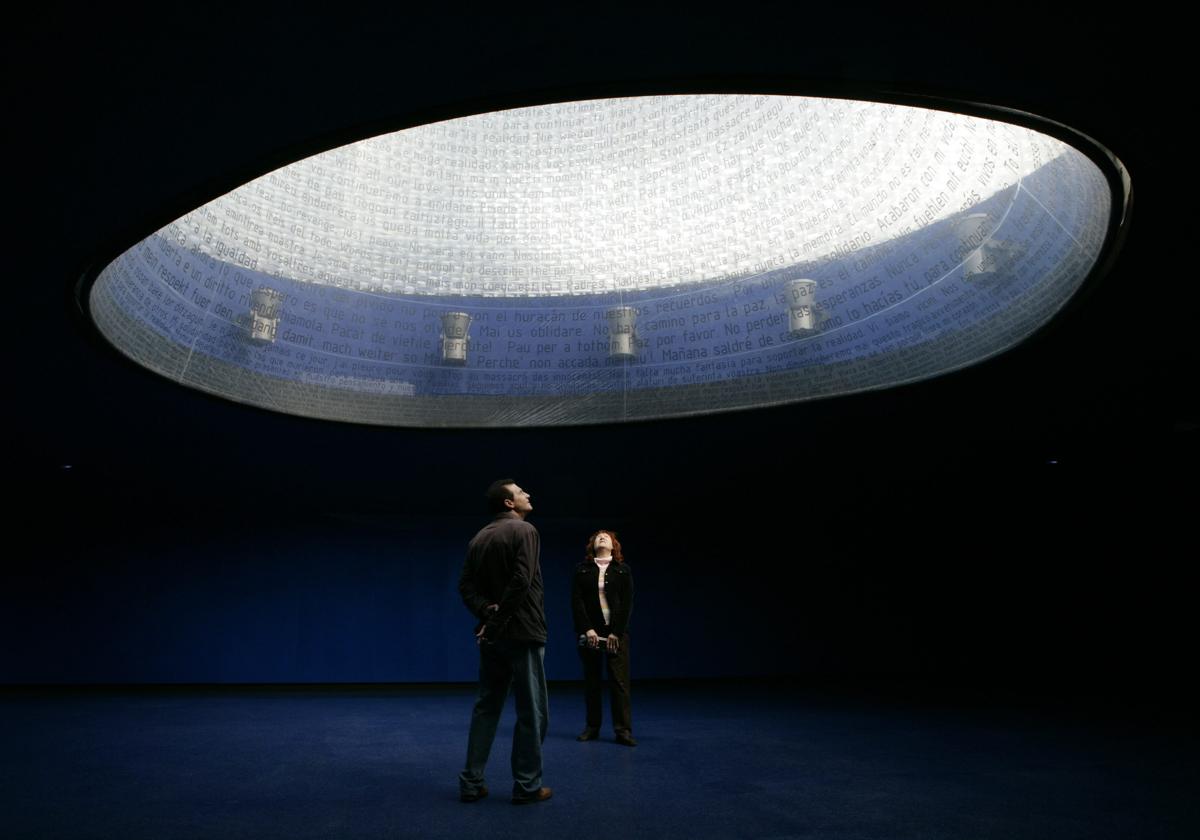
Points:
[[499, 491]]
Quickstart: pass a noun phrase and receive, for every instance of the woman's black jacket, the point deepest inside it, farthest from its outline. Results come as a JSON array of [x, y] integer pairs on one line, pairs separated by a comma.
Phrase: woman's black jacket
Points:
[[585, 597]]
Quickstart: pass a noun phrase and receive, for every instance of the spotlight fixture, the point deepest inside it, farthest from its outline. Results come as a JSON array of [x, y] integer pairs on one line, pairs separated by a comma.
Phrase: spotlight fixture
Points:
[[265, 304], [455, 326], [622, 332], [984, 254], [803, 317]]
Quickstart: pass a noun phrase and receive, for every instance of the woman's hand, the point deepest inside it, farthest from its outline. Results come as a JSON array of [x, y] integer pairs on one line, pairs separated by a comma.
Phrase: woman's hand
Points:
[[592, 638], [614, 644]]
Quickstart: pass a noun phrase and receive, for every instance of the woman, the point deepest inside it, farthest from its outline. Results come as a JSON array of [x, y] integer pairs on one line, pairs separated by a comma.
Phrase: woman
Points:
[[602, 600]]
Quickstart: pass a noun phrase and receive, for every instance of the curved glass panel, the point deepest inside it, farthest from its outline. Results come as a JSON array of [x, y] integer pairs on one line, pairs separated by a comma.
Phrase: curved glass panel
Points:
[[614, 260]]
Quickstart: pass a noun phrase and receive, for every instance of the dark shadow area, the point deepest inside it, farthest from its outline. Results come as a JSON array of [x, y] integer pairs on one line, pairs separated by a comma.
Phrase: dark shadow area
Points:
[[1057, 568]]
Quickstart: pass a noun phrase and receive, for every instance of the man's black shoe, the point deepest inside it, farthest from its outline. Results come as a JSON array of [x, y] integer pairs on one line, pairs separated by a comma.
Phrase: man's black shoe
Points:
[[626, 740], [588, 734], [473, 797], [541, 795]]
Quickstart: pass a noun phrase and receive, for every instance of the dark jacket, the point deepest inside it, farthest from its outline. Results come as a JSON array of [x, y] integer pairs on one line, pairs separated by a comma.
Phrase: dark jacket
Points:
[[503, 567], [585, 597]]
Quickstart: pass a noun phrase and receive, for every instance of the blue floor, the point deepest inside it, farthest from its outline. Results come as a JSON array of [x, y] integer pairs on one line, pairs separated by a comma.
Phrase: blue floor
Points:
[[750, 760]]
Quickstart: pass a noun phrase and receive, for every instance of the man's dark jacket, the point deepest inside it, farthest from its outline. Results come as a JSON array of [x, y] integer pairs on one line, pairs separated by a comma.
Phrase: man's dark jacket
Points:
[[503, 567]]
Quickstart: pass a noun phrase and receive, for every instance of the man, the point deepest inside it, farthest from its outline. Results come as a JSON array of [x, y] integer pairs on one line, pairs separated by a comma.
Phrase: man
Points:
[[501, 584]]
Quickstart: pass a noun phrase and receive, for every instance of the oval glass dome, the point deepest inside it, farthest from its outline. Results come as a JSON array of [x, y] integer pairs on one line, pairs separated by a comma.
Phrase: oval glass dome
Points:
[[613, 260]]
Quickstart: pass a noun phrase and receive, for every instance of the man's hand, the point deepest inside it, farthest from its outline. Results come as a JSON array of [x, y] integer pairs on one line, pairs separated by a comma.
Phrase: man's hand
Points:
[[614, 644], [479, 639], [592, 638]]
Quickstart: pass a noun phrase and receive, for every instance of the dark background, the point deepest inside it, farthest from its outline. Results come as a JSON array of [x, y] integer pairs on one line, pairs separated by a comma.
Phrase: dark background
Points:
[[1027, 522]]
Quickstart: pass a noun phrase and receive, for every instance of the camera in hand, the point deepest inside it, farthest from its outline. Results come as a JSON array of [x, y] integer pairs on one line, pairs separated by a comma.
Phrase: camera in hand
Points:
[[601, 642]]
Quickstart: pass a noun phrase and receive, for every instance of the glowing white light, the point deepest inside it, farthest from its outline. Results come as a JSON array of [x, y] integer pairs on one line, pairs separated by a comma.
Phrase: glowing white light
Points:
[[921, 241]]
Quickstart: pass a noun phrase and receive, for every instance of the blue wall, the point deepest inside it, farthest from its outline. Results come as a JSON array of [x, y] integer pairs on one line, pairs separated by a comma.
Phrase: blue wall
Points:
[[986, 565]]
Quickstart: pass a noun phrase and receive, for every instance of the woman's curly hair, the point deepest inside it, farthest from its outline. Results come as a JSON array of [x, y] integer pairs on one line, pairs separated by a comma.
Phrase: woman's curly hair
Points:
[[590, 551]]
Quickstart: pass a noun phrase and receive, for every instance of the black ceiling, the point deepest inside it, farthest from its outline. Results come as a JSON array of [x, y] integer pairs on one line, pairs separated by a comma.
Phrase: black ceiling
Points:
[[119, 123]]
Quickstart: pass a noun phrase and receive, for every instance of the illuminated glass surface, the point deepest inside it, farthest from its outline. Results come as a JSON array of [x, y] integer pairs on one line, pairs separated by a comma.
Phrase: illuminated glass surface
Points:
[[614, 260]]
